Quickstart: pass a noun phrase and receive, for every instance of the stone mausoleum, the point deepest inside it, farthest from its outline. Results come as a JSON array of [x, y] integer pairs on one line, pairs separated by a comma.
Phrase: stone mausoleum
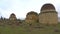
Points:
[[48, 14], [31, 17]]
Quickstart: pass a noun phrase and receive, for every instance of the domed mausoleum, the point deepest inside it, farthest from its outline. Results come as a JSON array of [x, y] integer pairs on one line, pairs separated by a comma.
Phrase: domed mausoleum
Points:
[[31, 17], [48, 14], [12, 17]]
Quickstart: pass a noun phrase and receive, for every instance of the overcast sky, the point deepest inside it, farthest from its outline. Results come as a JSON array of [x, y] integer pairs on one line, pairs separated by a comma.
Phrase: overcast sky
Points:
[[22, 7]]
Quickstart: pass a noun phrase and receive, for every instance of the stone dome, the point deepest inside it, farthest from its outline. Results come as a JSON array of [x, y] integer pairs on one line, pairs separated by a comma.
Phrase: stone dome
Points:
[[12, 16], [31, 17], [32, 12], [47, 7]]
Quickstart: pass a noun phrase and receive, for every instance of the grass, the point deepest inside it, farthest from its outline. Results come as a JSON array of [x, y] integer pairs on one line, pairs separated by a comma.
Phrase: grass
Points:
[[26, 29]]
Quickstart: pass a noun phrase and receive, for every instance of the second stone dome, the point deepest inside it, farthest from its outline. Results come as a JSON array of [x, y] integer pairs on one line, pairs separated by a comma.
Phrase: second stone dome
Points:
[[47, 6]]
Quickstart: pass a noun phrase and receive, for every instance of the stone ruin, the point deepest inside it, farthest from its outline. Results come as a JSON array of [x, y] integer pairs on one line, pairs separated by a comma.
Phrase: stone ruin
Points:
[[48, 15], [11, 21], [31, 17]]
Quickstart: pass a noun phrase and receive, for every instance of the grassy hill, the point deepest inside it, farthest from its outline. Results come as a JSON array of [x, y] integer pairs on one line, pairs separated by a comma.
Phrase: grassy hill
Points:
[[27, 29]]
